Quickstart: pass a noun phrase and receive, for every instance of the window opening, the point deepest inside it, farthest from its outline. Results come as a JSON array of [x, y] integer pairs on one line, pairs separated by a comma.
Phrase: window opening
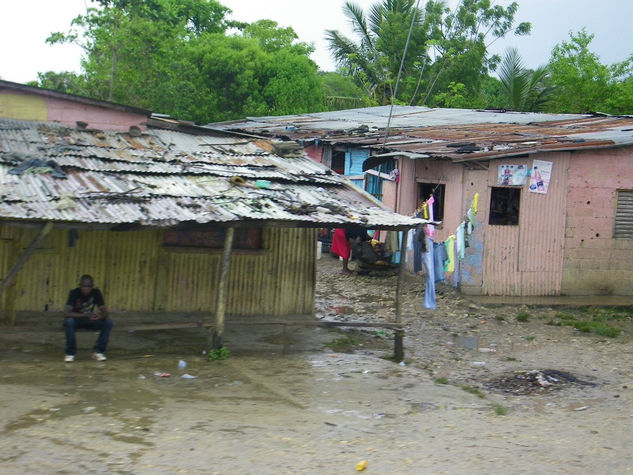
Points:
[[425, 190], [504, 206], [338, 161]]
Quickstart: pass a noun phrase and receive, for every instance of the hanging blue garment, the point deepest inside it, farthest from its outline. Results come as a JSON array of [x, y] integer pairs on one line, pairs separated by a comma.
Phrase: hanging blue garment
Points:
[[429, 291], [440, 257]]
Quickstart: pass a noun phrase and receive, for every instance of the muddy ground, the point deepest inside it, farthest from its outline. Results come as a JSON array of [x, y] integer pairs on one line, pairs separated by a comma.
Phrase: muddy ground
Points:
[[466, 399]]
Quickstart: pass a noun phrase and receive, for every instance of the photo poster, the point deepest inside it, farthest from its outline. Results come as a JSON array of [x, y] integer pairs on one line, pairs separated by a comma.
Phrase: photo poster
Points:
[[512, 175], [541, 175]]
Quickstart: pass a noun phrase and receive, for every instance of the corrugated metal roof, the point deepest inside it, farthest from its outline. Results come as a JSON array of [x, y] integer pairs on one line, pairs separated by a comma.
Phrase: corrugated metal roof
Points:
[[165, 177], [458, 134]]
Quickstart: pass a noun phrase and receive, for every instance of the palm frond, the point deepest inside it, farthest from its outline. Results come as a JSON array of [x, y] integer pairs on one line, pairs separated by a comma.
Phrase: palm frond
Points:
[[359, 22]]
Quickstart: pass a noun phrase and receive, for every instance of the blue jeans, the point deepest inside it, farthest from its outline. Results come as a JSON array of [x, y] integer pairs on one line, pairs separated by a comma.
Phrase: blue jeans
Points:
[[103, 326]]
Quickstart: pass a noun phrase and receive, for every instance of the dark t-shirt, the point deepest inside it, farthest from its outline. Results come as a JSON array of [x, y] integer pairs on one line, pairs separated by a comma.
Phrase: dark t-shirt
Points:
[[85, 303]]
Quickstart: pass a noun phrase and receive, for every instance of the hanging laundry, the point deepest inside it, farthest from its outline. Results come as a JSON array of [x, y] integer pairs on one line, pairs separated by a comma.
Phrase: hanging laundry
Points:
[[449, 244], [419, 248], [456, 275], [475, 203], [439, 257], [429, 268], [460, 244]]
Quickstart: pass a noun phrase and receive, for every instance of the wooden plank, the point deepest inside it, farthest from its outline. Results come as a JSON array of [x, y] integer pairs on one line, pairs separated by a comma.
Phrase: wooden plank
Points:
[[220, 303], [398, 345], [25, 256]]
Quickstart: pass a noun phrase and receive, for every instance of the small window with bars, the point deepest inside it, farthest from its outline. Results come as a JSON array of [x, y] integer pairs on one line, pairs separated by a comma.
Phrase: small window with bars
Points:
[[624, 215]]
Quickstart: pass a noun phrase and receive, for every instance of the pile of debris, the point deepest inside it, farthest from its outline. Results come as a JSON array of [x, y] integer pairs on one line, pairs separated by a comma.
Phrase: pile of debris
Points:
[[535, 382]]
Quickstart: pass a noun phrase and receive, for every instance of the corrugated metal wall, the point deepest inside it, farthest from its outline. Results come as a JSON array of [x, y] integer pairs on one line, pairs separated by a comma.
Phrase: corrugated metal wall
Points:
[[136, 273], [528, 259]]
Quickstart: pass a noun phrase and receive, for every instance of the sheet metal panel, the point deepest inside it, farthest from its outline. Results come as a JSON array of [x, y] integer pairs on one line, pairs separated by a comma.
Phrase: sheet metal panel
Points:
[[542, 231], [136, 274], [165, 177]]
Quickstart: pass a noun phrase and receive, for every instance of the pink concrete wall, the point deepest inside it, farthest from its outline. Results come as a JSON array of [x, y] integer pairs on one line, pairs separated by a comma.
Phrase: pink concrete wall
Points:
[[68, 112], [406, 192], [389, 189], [314, 152], [595, 263], [449, 174], [471, 268]]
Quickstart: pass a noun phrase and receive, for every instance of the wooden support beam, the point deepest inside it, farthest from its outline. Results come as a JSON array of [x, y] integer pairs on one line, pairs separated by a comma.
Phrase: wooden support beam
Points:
[[37, 240], [398, 349], [217, 334]]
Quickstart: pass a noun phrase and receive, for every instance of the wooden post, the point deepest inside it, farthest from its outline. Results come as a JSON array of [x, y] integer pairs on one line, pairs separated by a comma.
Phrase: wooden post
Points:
[[398, 347], [220, 301], [37, 240]]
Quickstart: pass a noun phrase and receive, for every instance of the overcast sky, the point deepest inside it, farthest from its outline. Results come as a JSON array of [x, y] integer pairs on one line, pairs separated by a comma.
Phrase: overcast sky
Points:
[[25, 24]]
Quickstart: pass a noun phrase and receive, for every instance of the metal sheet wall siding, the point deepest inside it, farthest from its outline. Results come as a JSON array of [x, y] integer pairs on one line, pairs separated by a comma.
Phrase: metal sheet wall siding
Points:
[[136, 273], [528, 259]]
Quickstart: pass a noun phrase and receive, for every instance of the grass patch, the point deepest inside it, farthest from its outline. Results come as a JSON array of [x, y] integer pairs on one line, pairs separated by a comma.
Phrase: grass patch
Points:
[[345, 343], [554, 323], [475, 391], [565, 316], [606, 330], [500, 410], [593, 320], [583, 326], [219, 354], [530, 338], [509, 358], [499, 318], [523, 317], [441, 380]]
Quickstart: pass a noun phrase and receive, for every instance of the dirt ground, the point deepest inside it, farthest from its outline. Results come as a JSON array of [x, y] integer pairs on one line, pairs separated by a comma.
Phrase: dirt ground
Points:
[[483, 389]]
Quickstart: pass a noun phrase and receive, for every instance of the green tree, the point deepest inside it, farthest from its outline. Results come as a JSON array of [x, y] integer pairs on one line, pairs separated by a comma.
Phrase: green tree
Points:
[[583, 83], [526, 89], [64, 81], [374, 60], [460, 42], [447, 47], [176, 57], [340, 92]]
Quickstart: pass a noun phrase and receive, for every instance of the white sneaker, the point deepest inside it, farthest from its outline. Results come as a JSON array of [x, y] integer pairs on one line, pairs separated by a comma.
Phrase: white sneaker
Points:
[[99, 357], [69, 358]]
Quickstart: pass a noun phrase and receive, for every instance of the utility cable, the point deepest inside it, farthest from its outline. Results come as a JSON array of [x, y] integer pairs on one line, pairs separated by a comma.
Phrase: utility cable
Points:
[[404, 55]]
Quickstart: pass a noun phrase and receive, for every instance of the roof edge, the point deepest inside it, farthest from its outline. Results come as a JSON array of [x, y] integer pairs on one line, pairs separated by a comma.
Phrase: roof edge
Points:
[[72, 97]]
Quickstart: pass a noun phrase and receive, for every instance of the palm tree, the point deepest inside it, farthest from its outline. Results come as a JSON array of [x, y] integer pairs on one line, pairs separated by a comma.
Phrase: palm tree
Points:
[[375, 58], [526, 89]]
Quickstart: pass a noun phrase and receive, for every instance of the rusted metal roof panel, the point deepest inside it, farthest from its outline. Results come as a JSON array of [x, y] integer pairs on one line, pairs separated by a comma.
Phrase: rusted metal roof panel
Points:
[[455, 134], [163, 178]]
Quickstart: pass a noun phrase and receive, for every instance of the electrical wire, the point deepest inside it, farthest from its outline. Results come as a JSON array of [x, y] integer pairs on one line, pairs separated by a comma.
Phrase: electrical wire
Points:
[[404, 55]]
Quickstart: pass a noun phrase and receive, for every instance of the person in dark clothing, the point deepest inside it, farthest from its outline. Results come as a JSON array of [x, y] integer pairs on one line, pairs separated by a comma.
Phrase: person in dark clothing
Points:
[[85, 308]]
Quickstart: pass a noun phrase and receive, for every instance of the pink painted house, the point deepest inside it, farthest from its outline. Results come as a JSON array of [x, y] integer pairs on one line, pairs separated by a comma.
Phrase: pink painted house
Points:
[[18, 101], [565, 228]]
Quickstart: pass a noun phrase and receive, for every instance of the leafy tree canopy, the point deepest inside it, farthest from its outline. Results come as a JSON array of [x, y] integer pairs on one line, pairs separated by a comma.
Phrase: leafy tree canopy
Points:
[[177, 57], [446, 47], [584, 84]]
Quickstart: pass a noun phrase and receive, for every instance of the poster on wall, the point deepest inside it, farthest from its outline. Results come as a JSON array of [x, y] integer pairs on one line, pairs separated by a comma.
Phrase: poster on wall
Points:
[[541, 174], [512, 175]]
